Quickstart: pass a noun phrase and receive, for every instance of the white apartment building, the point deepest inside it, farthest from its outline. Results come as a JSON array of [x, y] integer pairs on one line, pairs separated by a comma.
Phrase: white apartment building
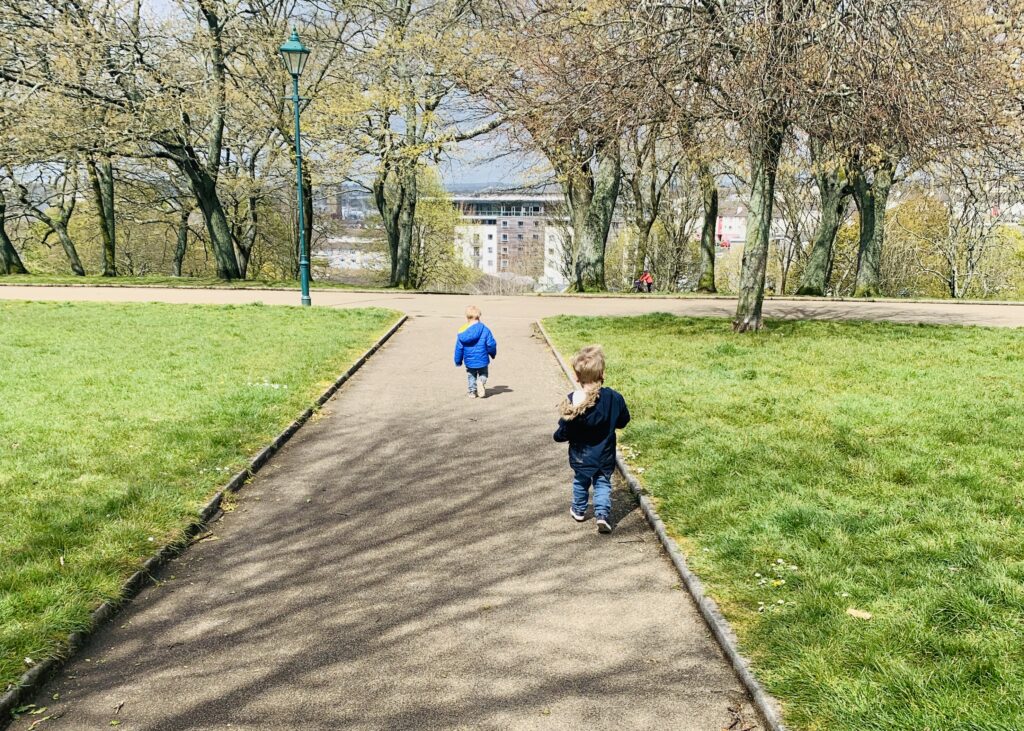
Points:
[[513, 235]]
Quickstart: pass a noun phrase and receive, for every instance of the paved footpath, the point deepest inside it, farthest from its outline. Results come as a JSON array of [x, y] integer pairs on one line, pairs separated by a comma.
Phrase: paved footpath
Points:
[[408, 562]]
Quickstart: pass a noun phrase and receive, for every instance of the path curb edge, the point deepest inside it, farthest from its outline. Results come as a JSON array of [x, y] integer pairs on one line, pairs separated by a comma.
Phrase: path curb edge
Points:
[[33, 679], [767, 706]]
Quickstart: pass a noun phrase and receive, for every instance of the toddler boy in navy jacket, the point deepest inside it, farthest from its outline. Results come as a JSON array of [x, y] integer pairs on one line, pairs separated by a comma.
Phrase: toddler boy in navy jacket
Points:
[[475, 346], [590, 417]]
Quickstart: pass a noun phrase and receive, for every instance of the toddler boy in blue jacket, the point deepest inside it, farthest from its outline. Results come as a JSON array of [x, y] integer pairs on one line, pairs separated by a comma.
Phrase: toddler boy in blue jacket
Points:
[[475, 346], [590, 417]]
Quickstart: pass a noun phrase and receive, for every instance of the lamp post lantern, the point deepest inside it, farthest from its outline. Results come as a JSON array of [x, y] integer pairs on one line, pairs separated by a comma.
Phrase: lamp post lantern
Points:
[[295, 56]]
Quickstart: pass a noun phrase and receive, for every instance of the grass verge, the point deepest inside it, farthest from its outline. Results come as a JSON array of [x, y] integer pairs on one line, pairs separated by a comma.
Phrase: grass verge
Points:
[[851, 493], [120, 421], [162, 281]]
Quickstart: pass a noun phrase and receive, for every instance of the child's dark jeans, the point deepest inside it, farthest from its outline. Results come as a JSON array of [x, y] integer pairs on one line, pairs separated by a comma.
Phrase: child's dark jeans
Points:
[[602, 494]]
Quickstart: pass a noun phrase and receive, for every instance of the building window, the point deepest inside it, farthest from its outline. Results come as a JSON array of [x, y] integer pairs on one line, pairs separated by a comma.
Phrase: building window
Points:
[[504, 264], [504, 237], [504, 224], [490, 237], [490, 262], [535, 237], [536, 223], [504, 249], [536, 209], [521, 224], [519, 236], [476, 238], [551, 251], [490, 249]]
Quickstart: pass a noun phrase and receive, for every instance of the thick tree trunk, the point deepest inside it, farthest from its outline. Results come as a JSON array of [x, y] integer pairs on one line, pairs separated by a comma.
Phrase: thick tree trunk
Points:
[[406, 230], [764, 166], [102, 180], [10, 261], [182, 247], [591, 195], [834, 201], [204, 188], [709, 193], [872, 200], [389, 205]]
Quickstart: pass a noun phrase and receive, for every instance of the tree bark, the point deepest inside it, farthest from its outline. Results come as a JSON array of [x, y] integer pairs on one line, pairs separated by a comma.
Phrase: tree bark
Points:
[[102, 180], [204, 188], [406, 230], [591, 196], [709, 193], [10, 261], [835, 193], [764, 166], [389, 197], [872, 199], [182, 247], [59, 225]]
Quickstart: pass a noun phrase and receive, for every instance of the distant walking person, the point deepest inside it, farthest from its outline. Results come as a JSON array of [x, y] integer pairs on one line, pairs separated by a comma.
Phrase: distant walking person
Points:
[[475, 346], [590, 417]]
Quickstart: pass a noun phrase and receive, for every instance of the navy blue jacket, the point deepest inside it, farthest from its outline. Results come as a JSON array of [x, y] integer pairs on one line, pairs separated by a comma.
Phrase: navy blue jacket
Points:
[[589, 427], [475, 345]]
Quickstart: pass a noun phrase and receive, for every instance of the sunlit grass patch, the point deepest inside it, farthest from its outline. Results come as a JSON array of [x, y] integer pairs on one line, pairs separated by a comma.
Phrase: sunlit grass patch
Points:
[[117, 422], [852, 495]]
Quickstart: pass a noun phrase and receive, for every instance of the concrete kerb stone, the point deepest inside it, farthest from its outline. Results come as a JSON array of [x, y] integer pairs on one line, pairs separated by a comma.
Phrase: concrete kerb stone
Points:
[[34, 678], [766, 705]]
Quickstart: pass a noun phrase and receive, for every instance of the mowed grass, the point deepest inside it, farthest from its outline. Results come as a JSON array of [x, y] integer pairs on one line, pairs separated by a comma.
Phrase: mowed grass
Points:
[[823, 467], [156, 280], [118, 422]]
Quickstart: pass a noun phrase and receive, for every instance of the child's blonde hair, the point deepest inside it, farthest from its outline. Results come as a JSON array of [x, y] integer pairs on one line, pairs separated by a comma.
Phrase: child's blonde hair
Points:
[[588, 364], [472, 312]]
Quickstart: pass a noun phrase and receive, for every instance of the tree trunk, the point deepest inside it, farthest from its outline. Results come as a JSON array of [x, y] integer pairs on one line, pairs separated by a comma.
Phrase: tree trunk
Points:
[[10, 261], [61, 230], [591, 195], [834, 202], [872, 199], [204, 187], [179, 250], [307, 210], [102, 181], [764, 165], [709, 193], [389, 207], [406, 230]]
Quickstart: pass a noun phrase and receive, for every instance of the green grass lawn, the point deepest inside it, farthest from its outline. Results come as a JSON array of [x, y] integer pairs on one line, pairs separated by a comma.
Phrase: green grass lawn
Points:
[[823, 467], [118, 422], [164, 281]]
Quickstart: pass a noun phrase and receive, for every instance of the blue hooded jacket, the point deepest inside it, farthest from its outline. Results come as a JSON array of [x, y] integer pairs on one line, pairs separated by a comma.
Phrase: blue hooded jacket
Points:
[[589, 427], [475, 345]]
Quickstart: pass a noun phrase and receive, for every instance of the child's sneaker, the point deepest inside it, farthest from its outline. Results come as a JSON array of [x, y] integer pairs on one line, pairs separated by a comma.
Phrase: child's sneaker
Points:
[[578, 517], [481, 388], [603, 526], [471, 394]]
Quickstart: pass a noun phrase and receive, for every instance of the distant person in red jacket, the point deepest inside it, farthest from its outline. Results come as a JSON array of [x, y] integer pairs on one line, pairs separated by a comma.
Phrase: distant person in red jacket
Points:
[[647, 281]]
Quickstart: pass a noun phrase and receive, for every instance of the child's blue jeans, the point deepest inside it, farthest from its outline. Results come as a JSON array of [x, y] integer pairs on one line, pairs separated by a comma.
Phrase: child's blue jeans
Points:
[[602, 494], [474, 373]]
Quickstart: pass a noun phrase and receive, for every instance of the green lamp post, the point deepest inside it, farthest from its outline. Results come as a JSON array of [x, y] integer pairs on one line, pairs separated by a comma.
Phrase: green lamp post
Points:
[[295, 56]]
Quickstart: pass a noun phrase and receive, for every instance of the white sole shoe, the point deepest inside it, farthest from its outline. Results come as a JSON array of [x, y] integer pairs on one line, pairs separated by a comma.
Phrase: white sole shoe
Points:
[[603, 526], [481, 389], [576, 516]]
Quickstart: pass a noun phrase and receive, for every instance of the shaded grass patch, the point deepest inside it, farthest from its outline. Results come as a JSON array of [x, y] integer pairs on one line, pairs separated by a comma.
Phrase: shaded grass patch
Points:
[[824, 467]]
